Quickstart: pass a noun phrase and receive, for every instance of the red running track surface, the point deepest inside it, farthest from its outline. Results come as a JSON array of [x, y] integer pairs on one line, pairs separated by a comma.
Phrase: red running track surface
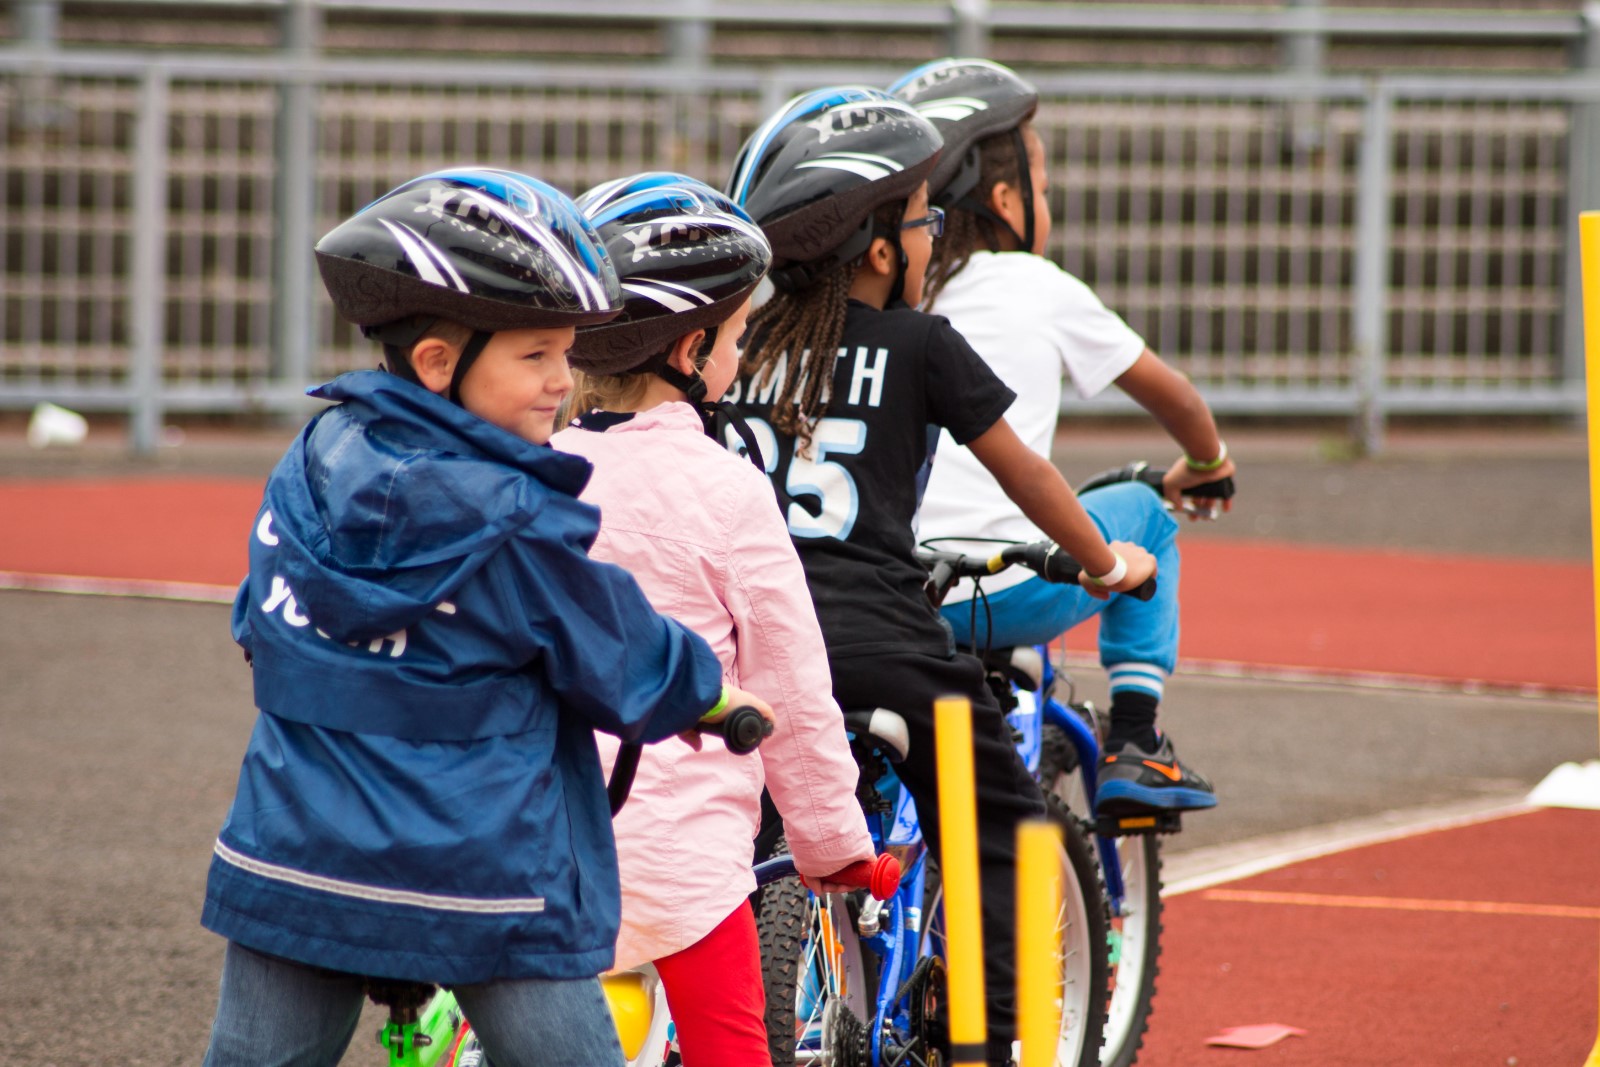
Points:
[[1475, 945], [1495, 621]]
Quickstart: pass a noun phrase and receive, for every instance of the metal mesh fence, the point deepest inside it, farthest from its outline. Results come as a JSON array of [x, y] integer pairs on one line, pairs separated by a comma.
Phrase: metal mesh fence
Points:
[[1222, 226]]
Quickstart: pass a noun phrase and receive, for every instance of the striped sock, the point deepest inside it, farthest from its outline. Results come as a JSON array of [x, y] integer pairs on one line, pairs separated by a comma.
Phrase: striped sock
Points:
[[1136, 691]]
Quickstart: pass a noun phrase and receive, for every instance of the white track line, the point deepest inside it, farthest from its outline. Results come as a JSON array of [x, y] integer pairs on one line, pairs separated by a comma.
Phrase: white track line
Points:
[[1216, 668], [1186, 872], [127, 587]]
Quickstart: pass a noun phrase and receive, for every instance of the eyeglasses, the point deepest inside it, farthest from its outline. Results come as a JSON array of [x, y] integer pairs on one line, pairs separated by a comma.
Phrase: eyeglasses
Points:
[[934, 220]]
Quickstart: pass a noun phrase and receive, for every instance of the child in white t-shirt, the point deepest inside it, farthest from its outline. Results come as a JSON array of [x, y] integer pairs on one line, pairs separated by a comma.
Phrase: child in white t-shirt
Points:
[[1032, 322]]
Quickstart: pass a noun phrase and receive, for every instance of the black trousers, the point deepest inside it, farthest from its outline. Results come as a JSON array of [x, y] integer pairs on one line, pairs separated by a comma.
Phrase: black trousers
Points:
[[1006, 793]]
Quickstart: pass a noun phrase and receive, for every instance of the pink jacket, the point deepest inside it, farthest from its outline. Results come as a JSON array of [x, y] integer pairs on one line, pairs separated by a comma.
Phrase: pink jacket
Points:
[[701, 531]]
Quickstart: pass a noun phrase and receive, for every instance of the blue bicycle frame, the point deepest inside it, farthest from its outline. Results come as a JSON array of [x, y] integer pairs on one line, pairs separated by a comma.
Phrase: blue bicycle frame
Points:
[[1047, 710], [900, 918]]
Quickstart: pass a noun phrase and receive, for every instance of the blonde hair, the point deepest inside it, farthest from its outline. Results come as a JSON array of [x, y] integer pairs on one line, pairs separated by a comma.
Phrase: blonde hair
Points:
[[607, 392], [618, 392]]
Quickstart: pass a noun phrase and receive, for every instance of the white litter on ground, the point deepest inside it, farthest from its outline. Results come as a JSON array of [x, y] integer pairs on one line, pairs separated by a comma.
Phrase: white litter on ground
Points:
[[1571, 785]]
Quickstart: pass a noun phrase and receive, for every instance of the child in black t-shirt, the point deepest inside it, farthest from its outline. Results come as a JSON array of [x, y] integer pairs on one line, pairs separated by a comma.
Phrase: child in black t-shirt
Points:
[[847, 387]]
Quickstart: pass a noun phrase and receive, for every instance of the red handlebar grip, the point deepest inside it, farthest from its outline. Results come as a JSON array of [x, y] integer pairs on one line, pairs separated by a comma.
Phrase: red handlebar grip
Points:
[[879, 876], [885, 877]]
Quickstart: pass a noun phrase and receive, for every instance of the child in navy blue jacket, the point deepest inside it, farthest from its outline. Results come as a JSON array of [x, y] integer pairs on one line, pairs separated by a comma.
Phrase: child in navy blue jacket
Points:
[[432, 649]]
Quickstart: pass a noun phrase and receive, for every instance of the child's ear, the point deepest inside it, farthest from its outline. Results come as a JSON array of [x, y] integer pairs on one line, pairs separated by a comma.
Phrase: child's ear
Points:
[[684, 351], [881, 257], [1003, 199], [434, 360]]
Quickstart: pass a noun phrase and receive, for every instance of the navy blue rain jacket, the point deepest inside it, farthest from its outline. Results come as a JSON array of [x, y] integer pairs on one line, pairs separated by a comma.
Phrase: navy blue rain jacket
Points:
[[432, 648]]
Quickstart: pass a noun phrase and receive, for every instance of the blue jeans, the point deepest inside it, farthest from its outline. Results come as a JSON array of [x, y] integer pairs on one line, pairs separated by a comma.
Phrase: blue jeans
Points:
[[1035, 611], [277, 1013]]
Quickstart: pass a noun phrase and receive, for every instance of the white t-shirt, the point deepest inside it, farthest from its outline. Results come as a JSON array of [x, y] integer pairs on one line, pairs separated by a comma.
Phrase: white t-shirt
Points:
[[1032, 322]]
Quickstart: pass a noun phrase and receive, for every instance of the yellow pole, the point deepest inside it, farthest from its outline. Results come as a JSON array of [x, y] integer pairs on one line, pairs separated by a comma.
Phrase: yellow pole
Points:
[[1038, 941], [1589, 254], [958, 860]]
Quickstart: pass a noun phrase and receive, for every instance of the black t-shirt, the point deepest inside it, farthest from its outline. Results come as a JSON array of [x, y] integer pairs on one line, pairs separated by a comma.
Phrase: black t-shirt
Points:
[[851, 505]]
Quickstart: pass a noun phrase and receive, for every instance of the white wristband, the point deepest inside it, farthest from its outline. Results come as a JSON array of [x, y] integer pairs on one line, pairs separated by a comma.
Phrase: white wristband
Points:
[[1118, 572]]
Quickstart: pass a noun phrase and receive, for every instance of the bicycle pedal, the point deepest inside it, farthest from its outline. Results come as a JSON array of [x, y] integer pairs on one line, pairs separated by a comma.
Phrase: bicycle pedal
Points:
[[1165, 822]]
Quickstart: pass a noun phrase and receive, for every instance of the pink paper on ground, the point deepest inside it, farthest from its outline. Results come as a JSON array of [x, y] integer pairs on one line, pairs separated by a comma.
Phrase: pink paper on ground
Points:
[[1258, 1036]]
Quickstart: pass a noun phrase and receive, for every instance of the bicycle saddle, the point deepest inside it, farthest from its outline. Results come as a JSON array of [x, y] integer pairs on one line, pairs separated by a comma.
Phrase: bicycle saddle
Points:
[[1022, 666], [883, 725]]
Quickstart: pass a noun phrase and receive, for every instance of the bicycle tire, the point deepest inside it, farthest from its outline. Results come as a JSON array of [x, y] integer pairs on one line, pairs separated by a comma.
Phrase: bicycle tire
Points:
[[1135, 934], [1084, 940], [780, 929], [785, 923]]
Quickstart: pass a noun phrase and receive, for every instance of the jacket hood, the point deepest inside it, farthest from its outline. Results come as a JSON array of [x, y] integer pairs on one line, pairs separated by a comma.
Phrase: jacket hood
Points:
[[387, 502]]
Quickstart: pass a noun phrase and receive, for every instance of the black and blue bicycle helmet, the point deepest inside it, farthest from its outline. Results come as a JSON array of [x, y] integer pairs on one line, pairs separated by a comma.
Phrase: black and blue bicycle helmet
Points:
[[489, 249], [968, 101], [686, 258], [813, 174]]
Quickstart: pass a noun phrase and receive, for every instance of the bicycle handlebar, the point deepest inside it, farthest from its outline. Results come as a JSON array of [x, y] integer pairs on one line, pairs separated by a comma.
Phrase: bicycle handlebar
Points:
[[1143, 473], [879, 876], [1044, 558], [742, 730]]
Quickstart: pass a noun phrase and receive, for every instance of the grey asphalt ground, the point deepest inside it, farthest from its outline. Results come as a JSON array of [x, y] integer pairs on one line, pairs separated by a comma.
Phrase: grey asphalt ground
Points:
[[122, 721]]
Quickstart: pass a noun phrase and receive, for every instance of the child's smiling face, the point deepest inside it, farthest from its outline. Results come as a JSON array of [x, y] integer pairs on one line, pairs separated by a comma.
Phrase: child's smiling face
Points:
[[519, 381]]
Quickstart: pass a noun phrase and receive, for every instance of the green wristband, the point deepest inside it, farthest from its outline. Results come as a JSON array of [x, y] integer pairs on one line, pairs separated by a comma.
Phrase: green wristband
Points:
[[719, 707], [1210, 464]]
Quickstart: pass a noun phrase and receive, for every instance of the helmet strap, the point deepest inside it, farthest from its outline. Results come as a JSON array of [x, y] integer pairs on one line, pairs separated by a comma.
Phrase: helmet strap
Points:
[[693, 386], [969, 202], [1025, 187], [398, 363], [713, 413], [897, 289], [469, 355]]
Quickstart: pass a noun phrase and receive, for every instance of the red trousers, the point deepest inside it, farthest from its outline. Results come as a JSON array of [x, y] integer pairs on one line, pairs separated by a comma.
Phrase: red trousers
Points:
[[714, 991]]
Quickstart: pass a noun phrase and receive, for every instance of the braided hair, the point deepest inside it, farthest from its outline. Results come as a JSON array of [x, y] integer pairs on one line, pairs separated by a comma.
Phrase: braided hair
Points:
[[966, 231], [798, 333]]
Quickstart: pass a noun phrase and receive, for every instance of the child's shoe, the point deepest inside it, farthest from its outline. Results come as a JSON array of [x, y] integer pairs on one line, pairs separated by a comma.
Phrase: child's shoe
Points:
[[1136, 782]]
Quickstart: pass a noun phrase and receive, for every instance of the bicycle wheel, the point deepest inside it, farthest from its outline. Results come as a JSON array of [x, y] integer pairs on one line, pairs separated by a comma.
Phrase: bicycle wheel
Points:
[[1082, 924], [816, 980], [1135, 939]]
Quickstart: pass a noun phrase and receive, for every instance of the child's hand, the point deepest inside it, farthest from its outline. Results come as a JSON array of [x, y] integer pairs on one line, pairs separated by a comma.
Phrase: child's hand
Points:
[[1180, 476], [1141, 565], [736, 698], [823, 884]]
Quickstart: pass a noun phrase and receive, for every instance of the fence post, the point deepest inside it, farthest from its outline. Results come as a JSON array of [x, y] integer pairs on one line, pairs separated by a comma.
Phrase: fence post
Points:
[[1371, 311], [969, 33], [296, 198], [147, 290], [690, 37], [1583, 193], [1305, 49]]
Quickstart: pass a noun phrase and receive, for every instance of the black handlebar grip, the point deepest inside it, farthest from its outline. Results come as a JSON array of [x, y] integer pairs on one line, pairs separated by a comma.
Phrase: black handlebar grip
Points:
[[1221, 489], [1145, 591], [743, 730]]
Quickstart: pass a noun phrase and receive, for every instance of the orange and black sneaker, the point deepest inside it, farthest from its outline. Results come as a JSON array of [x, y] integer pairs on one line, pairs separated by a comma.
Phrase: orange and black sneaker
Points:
[[1135, 782]]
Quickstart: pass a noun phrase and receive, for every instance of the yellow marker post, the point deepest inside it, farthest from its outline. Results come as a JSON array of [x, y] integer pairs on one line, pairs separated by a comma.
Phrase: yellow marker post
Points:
[[1589, 255], [1038, 941], [958, 861]]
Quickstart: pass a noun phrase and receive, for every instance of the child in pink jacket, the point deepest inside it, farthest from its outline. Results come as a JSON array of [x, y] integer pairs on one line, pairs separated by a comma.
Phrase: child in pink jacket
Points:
[[700, 531]]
